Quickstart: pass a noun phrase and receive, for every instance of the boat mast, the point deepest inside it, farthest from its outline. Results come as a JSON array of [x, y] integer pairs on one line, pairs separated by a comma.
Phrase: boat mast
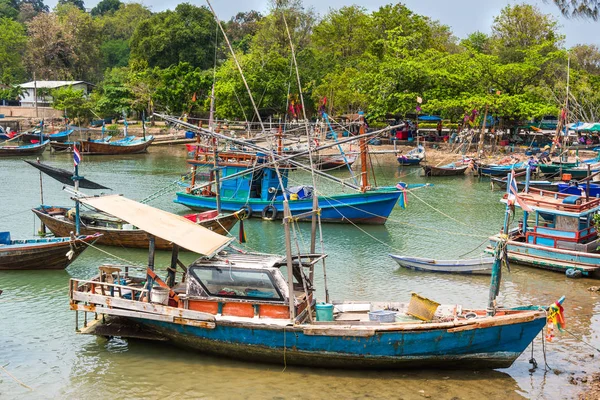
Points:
[[364, 180], [499, 252]]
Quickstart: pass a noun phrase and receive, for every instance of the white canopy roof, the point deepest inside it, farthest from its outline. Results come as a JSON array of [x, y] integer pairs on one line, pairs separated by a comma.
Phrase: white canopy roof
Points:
[[162, 224]]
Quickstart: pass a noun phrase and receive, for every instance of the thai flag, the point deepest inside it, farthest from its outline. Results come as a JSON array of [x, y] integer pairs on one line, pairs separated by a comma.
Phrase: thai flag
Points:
[[76, 156], [513, 193]]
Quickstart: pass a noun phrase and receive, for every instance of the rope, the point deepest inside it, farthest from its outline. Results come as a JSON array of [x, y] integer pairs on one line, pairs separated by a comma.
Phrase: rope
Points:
[[164, 190], [15, 379], [581, 340], [16, 213], [110, 254]]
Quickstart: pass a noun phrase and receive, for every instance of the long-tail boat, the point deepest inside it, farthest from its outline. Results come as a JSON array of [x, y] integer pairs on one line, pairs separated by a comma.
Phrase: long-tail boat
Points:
[[60, 137], [24, 150], [251, 181], [452, 169], [41, 253], [116, 232], [242, 305], [561, 234], [413, 157], [128, 145]]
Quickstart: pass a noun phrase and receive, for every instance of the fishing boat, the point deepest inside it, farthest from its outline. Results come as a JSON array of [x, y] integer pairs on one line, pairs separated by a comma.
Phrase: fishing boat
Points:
[[41, 253], [69, 145], [24, 150], [557, 232], [534, 184], [500, 170], [116, 232], [413, 157], [251, 181], [127, 145], [452, 169], [33, 137], [578, 172], [242, 305], [328, 163], [478, 266]]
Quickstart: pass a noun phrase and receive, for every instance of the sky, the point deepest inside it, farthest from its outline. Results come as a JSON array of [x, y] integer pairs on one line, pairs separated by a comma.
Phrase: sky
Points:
[[463, 16]]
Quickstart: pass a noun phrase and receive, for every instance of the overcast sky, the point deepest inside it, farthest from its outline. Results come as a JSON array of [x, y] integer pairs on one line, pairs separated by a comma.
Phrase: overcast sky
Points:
[[463, 16]]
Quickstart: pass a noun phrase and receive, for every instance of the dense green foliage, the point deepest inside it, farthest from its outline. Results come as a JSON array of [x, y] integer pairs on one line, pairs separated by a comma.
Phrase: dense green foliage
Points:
[[349, 59]]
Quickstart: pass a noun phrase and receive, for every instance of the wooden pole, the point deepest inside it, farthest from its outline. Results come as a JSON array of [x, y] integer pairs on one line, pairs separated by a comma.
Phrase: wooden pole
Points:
[[151, 252], [43, 226], [288, 252], [363, 154], [35, 103], [482, 133], [173, 267]]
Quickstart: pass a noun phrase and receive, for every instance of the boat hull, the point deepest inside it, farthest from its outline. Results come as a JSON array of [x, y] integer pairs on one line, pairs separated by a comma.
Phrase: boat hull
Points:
[[132, 238], [489, 347], [480, 266], [368, 208], [498, 171], [102, 148], [409, 161], [36, 256], [28, 150], [430, 170], [550, 258]]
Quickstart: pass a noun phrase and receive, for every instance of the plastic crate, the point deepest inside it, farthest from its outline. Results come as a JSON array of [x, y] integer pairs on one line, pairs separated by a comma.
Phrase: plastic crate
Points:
[[422, 307]]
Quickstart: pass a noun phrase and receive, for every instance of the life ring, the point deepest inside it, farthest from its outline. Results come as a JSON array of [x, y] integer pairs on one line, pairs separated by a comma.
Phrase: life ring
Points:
[[269, 213], [247, 210]]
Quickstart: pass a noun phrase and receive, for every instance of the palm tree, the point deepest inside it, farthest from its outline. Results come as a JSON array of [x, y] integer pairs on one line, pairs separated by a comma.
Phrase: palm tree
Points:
[[579, 8]]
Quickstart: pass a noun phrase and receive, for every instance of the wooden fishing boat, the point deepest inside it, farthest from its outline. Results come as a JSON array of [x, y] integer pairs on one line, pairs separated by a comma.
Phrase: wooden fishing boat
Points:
[[64, 176], [500, 170], [25, 150], [116, 232], [33, 137], [335, 162], [41, 253], [477, 266], [561, 235], [578, 172], [413, 157], [241, 305], [129, 145], [250, 182], [542, 184], [452, 169]]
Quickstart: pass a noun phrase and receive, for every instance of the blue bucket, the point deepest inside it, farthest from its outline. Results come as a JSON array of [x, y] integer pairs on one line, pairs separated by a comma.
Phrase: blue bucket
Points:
[[324, 312], [190, 135]]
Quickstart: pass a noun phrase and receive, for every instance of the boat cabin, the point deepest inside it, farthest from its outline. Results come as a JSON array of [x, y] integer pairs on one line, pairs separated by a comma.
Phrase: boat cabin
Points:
[[247, 285], [560, 221], [262, 184]]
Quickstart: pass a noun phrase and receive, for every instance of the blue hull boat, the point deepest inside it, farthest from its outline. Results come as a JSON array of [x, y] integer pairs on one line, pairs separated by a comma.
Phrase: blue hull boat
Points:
[[580, 189], [446, 346], [371, 207]]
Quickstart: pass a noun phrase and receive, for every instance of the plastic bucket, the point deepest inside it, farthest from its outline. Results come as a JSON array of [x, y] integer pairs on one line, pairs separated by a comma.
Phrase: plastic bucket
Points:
[[324, 312], [159, 295], [190, 135], [566, 177]]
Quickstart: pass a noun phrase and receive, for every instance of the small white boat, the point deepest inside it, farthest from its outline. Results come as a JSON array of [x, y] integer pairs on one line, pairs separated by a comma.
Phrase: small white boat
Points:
[[480, 266]]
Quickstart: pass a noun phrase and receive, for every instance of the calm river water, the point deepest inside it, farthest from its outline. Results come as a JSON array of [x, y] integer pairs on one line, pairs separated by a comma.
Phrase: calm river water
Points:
[[39, 346]]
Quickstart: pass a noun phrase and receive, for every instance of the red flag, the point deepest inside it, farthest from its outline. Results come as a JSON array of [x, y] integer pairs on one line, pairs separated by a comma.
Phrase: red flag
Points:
[[194, 98]]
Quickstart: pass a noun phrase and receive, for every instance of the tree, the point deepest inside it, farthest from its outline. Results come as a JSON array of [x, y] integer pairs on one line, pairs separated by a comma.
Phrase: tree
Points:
[[241, 29], [8, 9], [73, 102], [520, 27], [64, 45], [171, 37], [106, 6], [121, 24], [113, 95], [77, 3], [183, 88], [12, 46], [586, 57]]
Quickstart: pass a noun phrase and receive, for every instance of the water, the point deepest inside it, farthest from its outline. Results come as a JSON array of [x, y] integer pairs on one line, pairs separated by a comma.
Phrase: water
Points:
[[39, 346]]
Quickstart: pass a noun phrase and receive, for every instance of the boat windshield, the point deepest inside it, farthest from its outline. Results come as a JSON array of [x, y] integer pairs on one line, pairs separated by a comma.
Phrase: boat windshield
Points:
[[237, 282]]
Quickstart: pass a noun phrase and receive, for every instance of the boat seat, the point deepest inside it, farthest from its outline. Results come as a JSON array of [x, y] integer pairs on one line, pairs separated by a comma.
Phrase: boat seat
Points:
[[106, 273], [572, 200]]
